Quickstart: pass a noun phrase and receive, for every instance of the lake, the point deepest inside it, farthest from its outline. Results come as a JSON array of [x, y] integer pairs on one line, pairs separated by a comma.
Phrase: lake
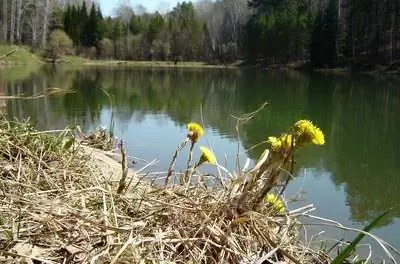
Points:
[[352, 179]]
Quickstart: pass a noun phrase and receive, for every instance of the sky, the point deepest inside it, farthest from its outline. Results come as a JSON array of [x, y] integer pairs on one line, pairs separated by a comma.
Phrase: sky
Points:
[[108, 6]]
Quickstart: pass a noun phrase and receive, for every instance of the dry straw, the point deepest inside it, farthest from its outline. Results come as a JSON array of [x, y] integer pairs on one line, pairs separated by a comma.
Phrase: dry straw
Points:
[[62, 202]]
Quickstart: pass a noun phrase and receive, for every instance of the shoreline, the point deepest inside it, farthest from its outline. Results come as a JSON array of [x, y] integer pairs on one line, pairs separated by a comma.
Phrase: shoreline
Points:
[[20, 56], [158, 64], [78, 194]]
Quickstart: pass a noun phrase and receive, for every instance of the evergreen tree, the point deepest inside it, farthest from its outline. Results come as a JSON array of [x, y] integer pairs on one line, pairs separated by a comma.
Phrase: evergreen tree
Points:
[[155, 27], [317, 51], [278, 30], [74, 29], [186, 32], [116, 35], [323, 49], [67, 21], [136, 25], [101, 22], [83, 19], [331, 32], [91, 34]]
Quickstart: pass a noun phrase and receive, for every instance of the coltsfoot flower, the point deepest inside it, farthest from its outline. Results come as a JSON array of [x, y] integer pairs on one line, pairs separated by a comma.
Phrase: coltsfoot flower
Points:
[[195, 131], [307, 133], [275, 202], [284, 143], [206, 156]]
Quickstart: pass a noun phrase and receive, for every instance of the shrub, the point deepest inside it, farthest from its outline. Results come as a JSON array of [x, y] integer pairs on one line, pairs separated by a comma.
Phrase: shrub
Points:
[[106, 48], [60, 44]]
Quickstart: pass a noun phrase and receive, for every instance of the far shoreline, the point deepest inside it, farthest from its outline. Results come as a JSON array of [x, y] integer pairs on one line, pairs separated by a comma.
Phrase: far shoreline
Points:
[[20, 56]]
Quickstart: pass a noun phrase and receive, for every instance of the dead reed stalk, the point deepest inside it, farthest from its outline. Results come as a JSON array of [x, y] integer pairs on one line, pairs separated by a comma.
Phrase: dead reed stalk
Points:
[[62, 204]]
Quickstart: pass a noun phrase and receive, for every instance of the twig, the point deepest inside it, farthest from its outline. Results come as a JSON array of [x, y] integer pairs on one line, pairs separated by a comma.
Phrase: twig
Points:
[[124, 164], [7, 54], [16, 255], [189, 171], [172, 164], [241, 120]]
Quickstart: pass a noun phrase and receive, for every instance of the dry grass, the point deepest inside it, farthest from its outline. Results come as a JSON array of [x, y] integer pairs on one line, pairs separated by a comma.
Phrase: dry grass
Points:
[[60, 203]]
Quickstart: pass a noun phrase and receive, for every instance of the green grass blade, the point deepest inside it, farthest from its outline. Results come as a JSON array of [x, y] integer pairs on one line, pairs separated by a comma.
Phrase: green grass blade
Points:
[[347, 251]]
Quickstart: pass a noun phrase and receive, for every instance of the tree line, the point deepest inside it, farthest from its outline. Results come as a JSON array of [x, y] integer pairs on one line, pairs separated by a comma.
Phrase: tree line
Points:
[[326, 33]]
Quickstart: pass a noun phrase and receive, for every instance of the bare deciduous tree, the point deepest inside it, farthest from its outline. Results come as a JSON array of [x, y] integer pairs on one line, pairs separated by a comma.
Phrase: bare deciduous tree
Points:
[[5, 19], [45, 23], [12, 22], [223, 18], [33, 12]]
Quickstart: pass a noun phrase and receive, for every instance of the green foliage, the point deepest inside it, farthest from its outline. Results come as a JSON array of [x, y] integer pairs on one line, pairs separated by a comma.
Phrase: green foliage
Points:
[[278, 30], [22, 55], [137, 25], [351, 247], [106, 48], [323, 49], [92, 33], [59, 44], [359, 33], [155, 27], [86, 29], [186, 32]]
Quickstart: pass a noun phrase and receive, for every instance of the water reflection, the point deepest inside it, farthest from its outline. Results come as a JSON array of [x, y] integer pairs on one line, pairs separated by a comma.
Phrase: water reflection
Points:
[[361, 117]]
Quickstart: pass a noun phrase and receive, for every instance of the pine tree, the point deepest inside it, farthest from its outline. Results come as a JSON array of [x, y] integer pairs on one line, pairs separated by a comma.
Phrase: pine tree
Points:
[[101, 23], [116, 35], [323, 49], [317, 42], [155, 27], [278, 30], [67, 21], [83, 18], [74, 29], [91, 34], [136, 25], [332, 30]]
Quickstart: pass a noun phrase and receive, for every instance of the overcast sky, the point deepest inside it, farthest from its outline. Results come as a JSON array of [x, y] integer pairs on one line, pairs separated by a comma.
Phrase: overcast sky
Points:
[[107, 6]]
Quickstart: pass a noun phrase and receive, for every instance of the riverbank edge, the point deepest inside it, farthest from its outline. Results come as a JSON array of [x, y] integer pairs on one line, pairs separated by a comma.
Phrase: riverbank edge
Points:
[[14, 55], [86, 206], [29, 58], [303, 66], [108, 169]]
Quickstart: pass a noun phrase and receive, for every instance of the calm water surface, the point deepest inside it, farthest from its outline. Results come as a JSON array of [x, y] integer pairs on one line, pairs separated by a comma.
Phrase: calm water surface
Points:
[[352, 179]]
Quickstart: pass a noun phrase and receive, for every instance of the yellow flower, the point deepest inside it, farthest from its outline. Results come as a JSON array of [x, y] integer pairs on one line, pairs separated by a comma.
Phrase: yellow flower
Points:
[[206, 156], [302, 126], [319, 138], [275, 202], [195, 131], [307, 132], [275, 143], [287, 141], [284, 142]]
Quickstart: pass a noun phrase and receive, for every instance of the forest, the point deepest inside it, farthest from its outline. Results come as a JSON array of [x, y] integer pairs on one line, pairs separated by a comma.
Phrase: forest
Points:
[[319, 33]]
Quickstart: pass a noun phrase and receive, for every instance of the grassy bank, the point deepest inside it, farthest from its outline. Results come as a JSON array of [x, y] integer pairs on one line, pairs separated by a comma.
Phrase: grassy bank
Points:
[[80, 61], [23, 56], [66, 198], [163, 64], [16, 59], [18, 55]]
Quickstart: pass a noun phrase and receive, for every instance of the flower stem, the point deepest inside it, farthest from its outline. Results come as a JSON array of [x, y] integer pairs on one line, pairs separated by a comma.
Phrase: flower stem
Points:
[[189, 171]]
